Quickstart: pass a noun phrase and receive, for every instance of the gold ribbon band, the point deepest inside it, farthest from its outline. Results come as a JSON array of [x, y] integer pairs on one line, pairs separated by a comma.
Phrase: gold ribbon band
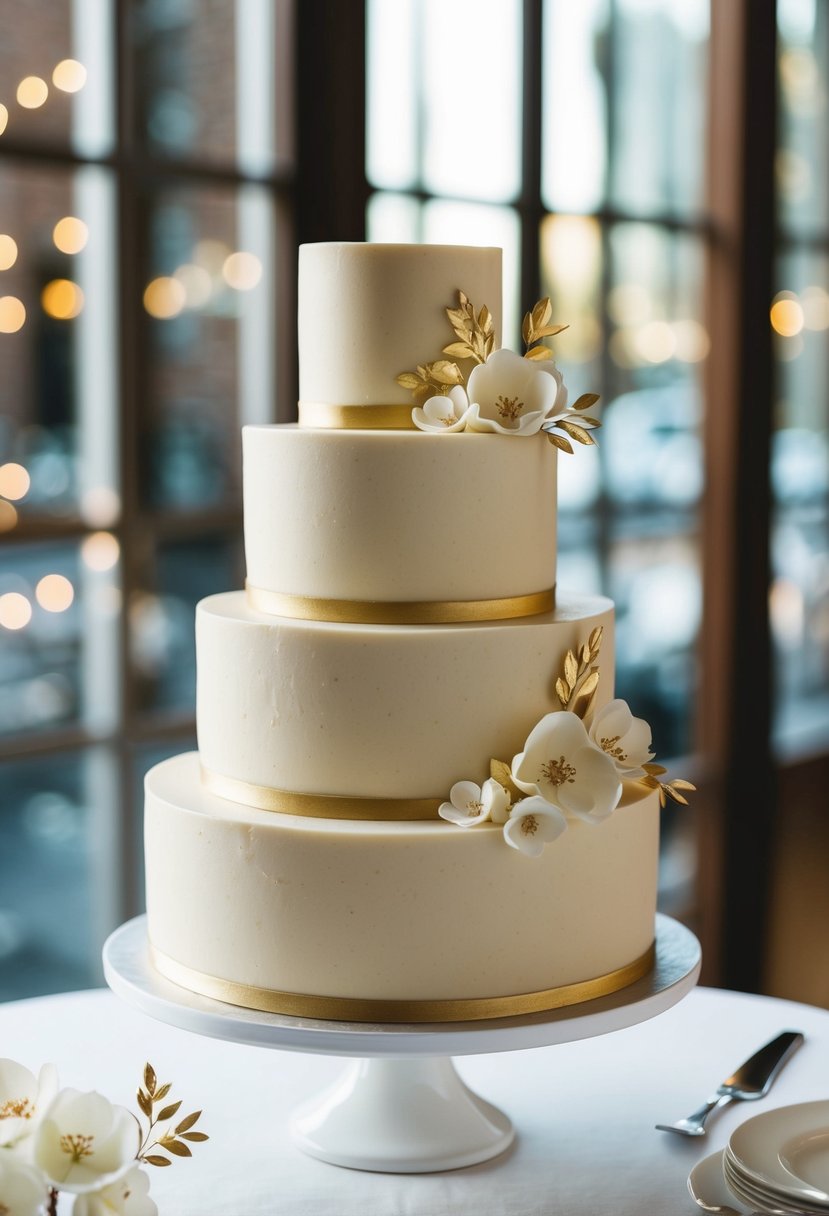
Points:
[[349, 1009], [356, 417], [391, 612], [319, 806]]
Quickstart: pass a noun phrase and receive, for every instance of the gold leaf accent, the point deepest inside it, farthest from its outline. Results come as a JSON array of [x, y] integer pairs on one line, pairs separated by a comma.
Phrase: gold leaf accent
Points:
[[144, 1103], [654, 770], [560, 442], [576, 432], [162, 1092], [674, 795], [502, 773], [595, 640], [550, 331], [585, 401], [650, 783], [179, 1149], [583, 699], [168, 1112], [585, 654], [586, 420], [445, 372], [526, 329], [571, 669], [538, 353], [679, 784], [485, 320], [150, 1079], [541, 313], [187, 1122], [156, 1160], [409, 380], [459, 350], [562, 691], [196, 1137]]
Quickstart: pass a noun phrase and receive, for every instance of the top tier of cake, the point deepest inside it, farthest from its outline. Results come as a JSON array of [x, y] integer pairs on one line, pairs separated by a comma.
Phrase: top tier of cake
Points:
[[368, 312]]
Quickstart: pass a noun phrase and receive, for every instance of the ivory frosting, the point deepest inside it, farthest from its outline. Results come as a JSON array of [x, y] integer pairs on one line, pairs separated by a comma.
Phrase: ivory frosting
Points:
[[398, 515], [378, 711], [390, 911], [368, 312]]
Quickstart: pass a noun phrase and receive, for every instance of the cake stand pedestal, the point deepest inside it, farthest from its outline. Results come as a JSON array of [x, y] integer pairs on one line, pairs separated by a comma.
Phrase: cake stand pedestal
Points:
[[400, 1106]]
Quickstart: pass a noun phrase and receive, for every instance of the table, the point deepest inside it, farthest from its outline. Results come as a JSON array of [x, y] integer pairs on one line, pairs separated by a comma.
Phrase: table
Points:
[[584, 1111]]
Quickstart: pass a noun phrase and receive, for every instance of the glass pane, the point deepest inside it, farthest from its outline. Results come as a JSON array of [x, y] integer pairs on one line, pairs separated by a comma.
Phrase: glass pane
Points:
[[56, 74], [394, 218], [799, 603], [161, 616], [59, 607], [58, 872], [58, 419], [444, 88], [209, 305], [803, 134], [213, 81]]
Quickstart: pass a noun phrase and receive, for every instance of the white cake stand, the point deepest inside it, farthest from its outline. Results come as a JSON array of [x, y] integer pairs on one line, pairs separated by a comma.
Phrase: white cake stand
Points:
[[400, 1106]]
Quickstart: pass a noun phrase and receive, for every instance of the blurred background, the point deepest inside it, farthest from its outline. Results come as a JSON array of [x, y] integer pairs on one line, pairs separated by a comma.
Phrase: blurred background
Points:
[[160, 160]]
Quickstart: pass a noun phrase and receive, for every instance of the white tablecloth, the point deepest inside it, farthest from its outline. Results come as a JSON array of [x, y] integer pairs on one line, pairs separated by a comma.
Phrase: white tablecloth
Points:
[[584, 1112]]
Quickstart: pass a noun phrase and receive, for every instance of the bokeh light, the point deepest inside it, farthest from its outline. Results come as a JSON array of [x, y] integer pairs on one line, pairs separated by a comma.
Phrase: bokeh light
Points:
[[62, 299], [15, 610], [69, 76], [786, 314], [211, 254], [14, 481], [32, 92], [656, 342], [164, 297], [100, 551], [242, 271], [815, 302], [4, 118], [54, 592], [8, 516], [12, 314], [100, 506], [8, 251], [70, 234], [197, 284]]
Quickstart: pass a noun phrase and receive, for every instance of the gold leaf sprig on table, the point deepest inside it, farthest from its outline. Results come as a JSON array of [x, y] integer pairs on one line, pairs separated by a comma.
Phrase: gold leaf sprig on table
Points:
[[149, 1096], [475, 334], [576, 425], [668, 790], [577, 684], [536, 325]]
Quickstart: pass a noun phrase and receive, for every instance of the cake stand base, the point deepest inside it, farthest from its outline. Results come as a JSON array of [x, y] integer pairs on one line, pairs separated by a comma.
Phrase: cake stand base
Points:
[[400, 1107]]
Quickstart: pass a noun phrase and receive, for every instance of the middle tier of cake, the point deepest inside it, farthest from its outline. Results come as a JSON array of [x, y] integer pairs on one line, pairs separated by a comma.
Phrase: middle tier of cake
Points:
[[377, 711]]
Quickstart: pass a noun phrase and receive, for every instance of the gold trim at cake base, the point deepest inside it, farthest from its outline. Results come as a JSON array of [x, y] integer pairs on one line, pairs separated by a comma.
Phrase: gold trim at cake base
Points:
[[321, 414], [389, 612], [319, 806], [350, 1009]]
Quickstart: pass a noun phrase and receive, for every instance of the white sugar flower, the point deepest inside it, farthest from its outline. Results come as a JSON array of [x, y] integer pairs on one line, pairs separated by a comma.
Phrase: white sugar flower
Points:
[[514, 396], [627, 740], [560, 763], [444, 413], [84, 1143], [22, 1190], [470, 803], [127, 1197], [532, 824], [23, 1099]]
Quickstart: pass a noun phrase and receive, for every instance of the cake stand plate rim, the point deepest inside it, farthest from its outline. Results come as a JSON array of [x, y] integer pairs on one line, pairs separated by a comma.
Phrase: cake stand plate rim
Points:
[[130, 975]]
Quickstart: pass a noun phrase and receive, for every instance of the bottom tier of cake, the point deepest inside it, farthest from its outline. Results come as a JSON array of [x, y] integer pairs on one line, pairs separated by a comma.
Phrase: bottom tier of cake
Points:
[[384, 921]]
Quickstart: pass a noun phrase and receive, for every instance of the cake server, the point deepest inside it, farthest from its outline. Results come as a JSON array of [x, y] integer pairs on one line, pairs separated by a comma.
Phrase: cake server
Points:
[[751, 1081]]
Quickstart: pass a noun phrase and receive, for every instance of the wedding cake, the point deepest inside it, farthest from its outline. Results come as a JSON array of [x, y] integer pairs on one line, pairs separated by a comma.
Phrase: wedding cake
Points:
[[415, 797]]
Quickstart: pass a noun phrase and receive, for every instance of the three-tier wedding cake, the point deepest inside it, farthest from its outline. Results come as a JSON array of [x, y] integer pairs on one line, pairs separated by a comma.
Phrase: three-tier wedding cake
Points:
[[415, 797]]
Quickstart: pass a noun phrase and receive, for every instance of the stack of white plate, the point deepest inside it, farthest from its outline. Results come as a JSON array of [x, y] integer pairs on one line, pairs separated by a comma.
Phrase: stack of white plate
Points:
[[776, 1163]]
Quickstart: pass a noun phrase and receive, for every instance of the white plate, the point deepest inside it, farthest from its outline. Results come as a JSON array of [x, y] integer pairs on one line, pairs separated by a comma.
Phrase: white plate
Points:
[[756, 1146], [807, 1157], [706, 1186], [764, 1199]]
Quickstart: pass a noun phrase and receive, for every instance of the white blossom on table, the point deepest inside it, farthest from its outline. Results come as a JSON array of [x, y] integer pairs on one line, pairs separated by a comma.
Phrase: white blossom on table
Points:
[[22, 1190], [470, 804], [84, 1142], [533, 823], [510, 395], [445, 413], [23, 1099], [562, 765], [127, 1197], [627, 740]]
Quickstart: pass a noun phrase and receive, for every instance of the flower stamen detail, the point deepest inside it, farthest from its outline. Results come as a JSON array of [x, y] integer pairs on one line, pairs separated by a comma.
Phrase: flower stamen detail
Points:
[[473, 809], [17, 1108], [558, 772], [611, 746], [509, 407], [529, 825], [77, 1147]]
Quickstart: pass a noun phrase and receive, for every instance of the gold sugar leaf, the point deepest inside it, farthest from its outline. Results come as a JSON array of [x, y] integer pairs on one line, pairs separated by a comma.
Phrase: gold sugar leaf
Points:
[[502, 773], [564, 445], [150, 1079], [583, 700], [526, 328], [457, 317], [168, 1111], [595, 640], [163, 1092], [654, 770], [445, 372], [586, 420], [674, 795], [585, 655], [585, 401], [562, 691], [179, 1149], [538, 353], [663, 801], [650, 783], [575, 432], [679, 784], [196, 1137], [485, 320], [144, 1103], [541, 313], [156, 1160], [489, 344], [409, 380], [571, 669], [463, 299], [550, 331], [459, 350], [188, 1122]]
